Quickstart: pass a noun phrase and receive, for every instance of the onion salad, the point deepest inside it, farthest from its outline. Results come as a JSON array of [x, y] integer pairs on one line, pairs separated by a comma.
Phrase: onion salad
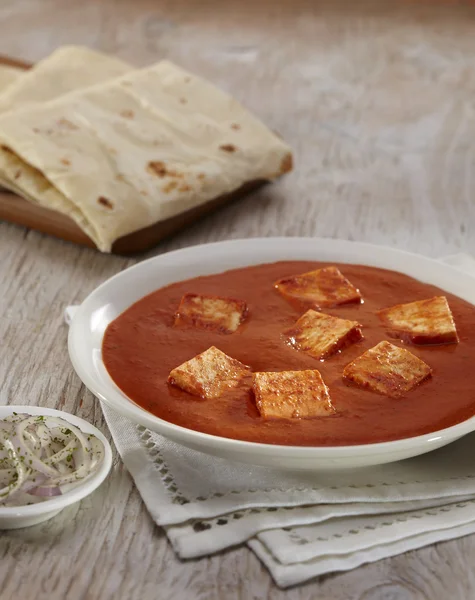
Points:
[[42, 457]]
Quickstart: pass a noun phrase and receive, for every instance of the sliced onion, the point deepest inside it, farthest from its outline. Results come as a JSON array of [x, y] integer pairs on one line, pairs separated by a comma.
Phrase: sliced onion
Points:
[[29, 484], [20, 474], [39, 455], [46, 492]]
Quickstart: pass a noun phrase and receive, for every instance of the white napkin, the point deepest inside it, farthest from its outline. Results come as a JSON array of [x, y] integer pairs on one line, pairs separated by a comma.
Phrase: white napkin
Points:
[[300, 525]]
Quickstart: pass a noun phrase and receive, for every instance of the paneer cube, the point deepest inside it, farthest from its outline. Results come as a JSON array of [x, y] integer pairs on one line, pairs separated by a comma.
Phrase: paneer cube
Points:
[[223, 315], [209, 374], [422, 322], [291, 395], [388, 370], [321, 335], [323, 288]]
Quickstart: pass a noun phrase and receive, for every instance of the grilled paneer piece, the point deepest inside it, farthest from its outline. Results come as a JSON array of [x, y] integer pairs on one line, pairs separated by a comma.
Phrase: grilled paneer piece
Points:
[[223, 315], [321, 335], [388, 370], [291, 395], [323, 288], [209, 374], [422, 322]]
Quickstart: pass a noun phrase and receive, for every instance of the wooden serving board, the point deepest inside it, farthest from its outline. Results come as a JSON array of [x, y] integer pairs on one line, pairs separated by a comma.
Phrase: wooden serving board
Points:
[[22, 212]]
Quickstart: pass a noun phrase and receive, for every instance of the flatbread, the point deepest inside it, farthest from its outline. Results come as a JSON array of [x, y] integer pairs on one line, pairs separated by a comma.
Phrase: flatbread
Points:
[[66, 69], [8, 75], [137, 150]]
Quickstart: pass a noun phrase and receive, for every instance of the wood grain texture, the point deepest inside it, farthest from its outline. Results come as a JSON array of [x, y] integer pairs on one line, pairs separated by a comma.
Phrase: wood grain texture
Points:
[[377, 100]]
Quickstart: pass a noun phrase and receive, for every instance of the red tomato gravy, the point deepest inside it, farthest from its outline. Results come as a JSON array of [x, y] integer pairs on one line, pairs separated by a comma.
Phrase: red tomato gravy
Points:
[[141, 347]]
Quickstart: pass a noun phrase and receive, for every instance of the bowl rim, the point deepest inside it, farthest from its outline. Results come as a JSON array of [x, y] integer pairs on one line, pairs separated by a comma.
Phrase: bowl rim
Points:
[[80, 491], [140, 416]]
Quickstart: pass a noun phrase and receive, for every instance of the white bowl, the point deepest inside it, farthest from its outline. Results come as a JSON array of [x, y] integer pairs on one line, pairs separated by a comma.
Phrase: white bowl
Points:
[[14, 517], [115, 295]]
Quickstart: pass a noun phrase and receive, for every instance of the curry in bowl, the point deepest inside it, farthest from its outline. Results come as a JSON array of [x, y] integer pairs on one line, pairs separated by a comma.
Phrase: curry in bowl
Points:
[[298, 353]]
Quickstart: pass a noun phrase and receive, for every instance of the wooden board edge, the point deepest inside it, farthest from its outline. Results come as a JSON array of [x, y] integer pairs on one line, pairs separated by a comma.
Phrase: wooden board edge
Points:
[[15, 62], [15, 209]]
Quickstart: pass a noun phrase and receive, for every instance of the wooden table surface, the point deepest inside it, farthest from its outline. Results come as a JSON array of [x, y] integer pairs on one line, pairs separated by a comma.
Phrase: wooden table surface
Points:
[[377, 100]]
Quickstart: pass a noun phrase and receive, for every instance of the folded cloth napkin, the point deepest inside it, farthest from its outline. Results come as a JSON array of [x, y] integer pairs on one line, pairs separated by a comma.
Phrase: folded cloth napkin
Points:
[[300, 524]]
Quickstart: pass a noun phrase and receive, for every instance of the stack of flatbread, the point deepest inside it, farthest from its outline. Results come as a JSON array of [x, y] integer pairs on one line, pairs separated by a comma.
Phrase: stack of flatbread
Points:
[[117, 149]]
